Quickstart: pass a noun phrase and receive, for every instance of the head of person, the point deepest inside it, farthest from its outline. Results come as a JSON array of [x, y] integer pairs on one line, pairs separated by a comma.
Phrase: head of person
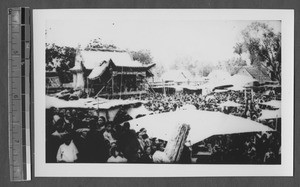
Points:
[[115, 152], [109, 127], [74, 112], [67, 139], [161, 147], [68, 113], [59, 125], [139, 153], [101, 120], [148, 150], [126, 126], [67, 127]]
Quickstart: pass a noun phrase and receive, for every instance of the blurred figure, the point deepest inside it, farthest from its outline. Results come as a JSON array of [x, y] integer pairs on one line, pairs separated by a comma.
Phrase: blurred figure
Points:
[[67, 152], [116, 156]]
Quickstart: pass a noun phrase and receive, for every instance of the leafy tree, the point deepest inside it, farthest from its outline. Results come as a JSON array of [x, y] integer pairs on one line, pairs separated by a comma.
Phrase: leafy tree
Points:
[[264, 48], [239, 48], [234, 64], [65, 59], [143, 56], [206, 69], [98, 45]]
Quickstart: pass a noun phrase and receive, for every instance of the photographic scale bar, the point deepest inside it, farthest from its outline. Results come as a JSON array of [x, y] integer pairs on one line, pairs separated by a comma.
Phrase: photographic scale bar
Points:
[[19, 93]]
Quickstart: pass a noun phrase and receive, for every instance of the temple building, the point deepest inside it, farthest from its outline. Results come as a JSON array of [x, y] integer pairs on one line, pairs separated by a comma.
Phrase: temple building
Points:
[[109, 73]]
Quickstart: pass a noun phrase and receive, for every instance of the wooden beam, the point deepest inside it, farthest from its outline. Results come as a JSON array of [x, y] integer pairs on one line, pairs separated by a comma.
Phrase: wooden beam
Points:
[[175, 146]]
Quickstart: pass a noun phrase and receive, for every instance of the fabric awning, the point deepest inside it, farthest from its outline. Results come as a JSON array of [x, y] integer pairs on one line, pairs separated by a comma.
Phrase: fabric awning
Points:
[[89, 103], [270, 114], [203, 124], [273, 103]]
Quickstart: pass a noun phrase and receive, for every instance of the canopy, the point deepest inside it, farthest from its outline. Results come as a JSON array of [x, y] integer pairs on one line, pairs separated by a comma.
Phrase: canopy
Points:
[[270, 114], [273, 103], [236, 88], [92, 103], [236, 82], [241, 80], [188, 107], [230, 104], [220, 90], [203, 124]]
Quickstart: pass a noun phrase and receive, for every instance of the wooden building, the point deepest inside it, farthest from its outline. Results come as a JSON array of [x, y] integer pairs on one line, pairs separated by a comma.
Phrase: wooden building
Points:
[[109, 73]]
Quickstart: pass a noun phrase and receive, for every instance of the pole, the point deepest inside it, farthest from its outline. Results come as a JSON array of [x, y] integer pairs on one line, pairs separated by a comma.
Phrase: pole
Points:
[[276, 122], [164, 87], [112, 86], [121, 84]]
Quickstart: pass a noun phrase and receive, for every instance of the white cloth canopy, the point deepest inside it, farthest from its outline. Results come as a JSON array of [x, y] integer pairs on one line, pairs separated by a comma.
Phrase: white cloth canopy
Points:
[[188, 107], [230, 104], [236, 88], [270, 114], [203, 124], [238, 82], [241, 80], [273, 103], [99, 103], [220, 91]]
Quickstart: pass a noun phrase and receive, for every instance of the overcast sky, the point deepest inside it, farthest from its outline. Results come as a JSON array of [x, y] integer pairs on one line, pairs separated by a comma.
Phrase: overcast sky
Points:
[[168, 40]]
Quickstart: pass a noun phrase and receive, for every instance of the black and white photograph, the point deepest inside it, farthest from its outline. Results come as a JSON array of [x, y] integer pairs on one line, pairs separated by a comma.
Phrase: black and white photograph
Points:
[[163, 88]]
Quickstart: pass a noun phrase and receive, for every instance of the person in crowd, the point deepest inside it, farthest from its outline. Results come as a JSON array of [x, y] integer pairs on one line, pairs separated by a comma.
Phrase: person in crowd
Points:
[[186, 155], [147, 155], [128, 143], [269, 157], [97, 148], [116, 156], [109, 133], [67, 152]]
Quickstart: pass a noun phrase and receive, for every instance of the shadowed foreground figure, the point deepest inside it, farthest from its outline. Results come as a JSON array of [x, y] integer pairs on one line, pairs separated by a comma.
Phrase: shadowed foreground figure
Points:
[[128, 143]]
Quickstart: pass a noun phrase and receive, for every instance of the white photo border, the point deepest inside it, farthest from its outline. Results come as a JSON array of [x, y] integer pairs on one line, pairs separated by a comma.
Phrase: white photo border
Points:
[[43, 169]]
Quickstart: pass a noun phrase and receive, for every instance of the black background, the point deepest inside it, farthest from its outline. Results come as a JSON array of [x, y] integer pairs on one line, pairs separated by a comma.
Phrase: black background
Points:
[[201, 181]]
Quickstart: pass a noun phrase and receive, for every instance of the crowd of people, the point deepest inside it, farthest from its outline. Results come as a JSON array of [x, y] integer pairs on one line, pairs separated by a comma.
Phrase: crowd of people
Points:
[[245, 148], [78, 135], [250, 104]]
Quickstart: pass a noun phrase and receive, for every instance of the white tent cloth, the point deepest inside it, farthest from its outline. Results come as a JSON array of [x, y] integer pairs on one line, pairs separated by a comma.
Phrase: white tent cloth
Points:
[[241, 80], [238, 82], [236, 88], [230, 104], [203, 124], [270, 114], [220, 90], [188, 107], [88, 103], [273, 103]]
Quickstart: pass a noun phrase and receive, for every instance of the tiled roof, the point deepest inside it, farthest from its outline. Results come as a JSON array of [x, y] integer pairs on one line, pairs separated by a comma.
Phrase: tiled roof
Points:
[[258, 73], [92, 59]]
